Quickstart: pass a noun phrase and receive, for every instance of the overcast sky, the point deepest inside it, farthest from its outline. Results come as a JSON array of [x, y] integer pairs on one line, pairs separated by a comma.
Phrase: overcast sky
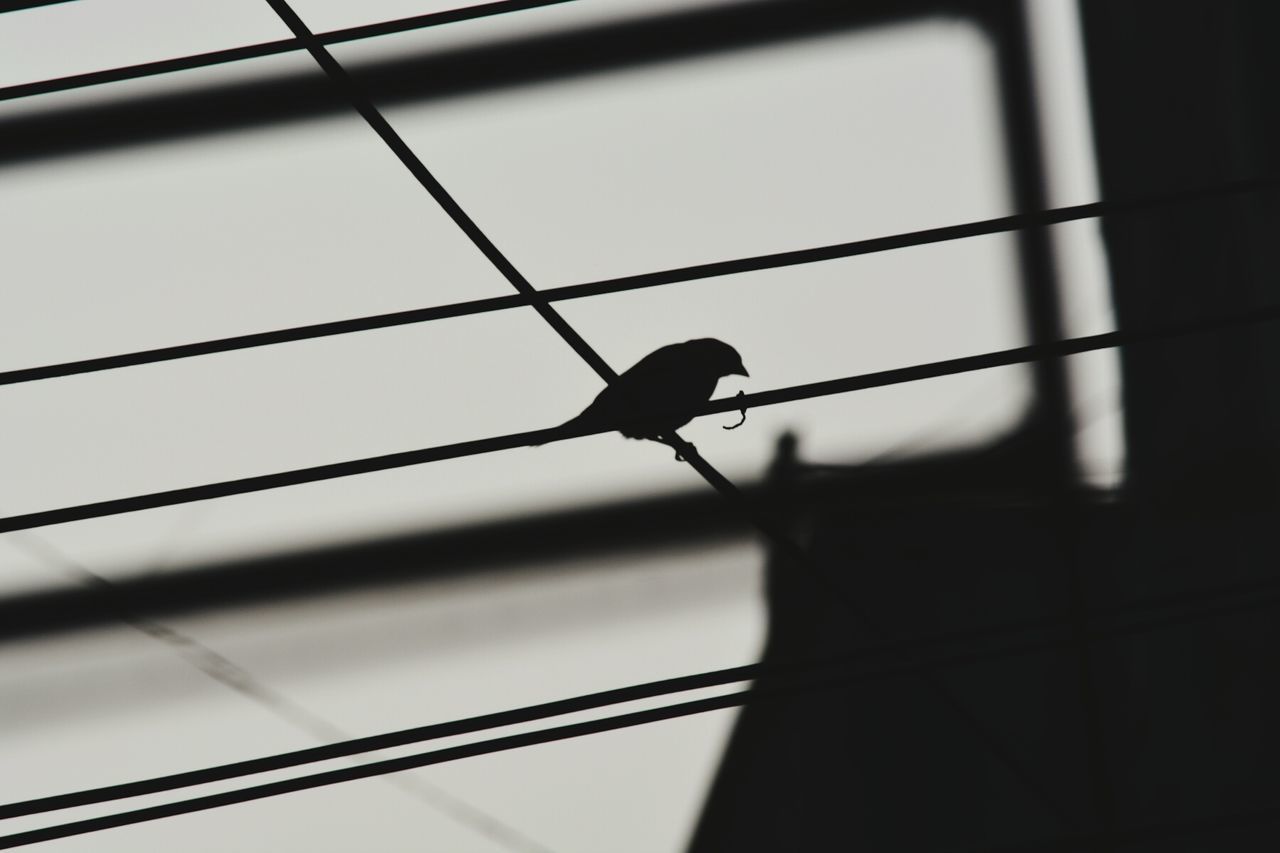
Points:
[[802, 143]]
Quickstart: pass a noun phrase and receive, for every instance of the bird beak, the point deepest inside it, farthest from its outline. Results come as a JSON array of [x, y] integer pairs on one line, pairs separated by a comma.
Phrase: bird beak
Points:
[[741, 371]]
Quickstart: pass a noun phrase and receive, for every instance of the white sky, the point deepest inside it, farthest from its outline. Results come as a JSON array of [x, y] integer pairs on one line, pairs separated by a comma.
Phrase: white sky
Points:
[[798, 144], [697, 160]]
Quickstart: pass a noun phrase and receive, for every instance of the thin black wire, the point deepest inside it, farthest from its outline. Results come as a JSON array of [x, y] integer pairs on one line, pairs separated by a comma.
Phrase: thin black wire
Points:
[[782, 690], [860, 382], [998, 225], [270, 48]]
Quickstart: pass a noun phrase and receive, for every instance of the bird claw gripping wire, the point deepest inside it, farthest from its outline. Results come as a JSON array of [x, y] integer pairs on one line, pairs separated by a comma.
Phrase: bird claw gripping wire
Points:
[[743, 410]]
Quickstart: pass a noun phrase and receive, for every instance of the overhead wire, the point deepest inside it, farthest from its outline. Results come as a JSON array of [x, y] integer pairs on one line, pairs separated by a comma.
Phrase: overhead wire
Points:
[[269, 48], [622, 284]]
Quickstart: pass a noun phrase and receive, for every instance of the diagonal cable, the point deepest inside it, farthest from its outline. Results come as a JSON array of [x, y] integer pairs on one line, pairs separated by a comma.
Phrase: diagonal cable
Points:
[[365, 107], [269, 48]]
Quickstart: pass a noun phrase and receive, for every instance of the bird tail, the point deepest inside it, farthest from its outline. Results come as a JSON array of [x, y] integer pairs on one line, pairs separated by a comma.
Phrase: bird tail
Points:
[[589, 419], [557, 433]]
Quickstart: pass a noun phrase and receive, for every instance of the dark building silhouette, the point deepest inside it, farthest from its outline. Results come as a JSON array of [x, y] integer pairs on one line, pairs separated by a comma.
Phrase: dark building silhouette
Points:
[[1158, 732]]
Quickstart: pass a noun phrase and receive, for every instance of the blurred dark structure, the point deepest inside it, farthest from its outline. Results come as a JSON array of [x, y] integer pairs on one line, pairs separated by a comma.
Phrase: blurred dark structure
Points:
[[1134, 731], [1163, 740]]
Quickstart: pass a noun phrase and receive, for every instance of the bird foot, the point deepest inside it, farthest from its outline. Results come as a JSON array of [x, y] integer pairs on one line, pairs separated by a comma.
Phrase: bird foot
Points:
[[675, 444], [744, 414]]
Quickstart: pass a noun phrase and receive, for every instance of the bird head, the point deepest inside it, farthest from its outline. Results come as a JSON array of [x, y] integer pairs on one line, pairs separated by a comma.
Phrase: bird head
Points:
[[719, 356]]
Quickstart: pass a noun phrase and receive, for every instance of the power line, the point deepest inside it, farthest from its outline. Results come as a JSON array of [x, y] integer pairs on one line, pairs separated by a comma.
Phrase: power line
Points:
[[859, 382], [844, 680], [259, 339], [270, 48], [698, 272]]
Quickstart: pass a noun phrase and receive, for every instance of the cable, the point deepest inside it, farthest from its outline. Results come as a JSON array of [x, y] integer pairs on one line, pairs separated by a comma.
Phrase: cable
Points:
[[259, 339], [622, 284], [860, 382], [536, 712], [270, 48]]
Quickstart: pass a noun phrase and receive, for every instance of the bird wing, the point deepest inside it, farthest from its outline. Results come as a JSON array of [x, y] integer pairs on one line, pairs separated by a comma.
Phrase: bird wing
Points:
[[643, 388]]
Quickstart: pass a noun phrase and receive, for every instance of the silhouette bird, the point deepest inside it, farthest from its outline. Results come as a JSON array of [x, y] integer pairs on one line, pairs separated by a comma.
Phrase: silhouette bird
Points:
[[663, 391]]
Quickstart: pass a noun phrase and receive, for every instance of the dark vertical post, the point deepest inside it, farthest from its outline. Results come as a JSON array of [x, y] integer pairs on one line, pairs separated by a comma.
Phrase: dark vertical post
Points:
[[1052, 421], [1185, 94]]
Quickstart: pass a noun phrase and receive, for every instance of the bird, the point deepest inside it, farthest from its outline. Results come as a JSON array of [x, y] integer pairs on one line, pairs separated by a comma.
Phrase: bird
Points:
[[661, 392]]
